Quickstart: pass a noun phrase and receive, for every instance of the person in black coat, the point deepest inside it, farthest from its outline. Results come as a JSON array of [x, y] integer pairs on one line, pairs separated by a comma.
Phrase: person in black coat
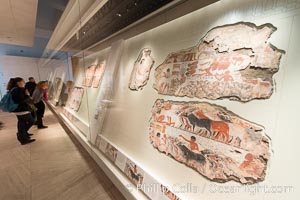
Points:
[[30, 85], [38, 97], [21, 96]]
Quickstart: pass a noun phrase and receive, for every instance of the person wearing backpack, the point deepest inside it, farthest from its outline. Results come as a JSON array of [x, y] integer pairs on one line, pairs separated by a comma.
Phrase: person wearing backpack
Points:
[[21, 97]]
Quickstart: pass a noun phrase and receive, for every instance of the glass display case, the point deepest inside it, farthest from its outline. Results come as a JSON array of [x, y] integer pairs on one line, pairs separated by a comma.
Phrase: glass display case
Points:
[[200, 99]]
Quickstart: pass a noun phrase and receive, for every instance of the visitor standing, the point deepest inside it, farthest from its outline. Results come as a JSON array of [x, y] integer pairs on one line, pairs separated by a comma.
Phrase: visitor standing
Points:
[[38, 97], [21, 97], [30, 85]]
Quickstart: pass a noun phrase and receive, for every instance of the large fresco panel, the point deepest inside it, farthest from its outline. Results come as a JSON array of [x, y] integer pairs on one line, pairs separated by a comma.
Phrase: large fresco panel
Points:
[[232, 61], [210, 139]]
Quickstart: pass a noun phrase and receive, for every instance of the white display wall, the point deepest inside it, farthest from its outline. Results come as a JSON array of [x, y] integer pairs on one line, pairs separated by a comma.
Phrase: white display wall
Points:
[[131, 110], [126, 122], [25, 67]]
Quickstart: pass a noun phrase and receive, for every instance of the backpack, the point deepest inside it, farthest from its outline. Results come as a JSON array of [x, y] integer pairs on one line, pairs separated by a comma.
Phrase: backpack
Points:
[[7, 104]]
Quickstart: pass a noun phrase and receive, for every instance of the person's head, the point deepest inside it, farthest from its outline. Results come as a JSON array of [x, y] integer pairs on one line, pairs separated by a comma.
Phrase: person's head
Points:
[[158, 134], [10, 85], [42, 85], [193, 138], [19, 82], [31, 79], [46, 84]]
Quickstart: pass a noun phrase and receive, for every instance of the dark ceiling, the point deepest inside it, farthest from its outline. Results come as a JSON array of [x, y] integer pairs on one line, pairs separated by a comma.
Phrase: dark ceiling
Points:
[[48, 15], [112, 17]]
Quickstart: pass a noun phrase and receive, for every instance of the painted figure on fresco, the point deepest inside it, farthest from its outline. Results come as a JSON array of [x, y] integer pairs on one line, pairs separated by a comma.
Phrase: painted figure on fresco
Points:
[[167, 193], [133, 172], [141, 70], [231, 61], [210, 139], [89, 75], [98, 74]]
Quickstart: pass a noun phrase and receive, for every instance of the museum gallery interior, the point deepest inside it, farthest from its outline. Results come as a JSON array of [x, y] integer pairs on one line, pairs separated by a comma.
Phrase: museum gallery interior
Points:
[[150, 99]]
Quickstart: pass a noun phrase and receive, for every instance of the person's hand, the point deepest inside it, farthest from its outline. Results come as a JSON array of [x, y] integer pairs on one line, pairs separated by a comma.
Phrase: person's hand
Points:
[[27, 92]]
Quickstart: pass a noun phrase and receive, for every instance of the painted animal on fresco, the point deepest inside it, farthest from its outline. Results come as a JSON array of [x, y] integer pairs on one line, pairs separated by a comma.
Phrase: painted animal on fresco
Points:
[[168, 193], [219, 127], [134, 176], [183, 120], [202, 122], [190, 155], [222, 130], [224, 116]]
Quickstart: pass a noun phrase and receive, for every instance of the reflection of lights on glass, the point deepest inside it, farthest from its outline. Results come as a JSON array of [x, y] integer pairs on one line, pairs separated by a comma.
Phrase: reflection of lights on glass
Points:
[[106, 101], [119, 15]]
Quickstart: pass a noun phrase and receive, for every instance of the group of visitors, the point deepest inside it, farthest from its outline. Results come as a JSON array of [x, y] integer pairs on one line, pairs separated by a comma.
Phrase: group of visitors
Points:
[[29, 99]]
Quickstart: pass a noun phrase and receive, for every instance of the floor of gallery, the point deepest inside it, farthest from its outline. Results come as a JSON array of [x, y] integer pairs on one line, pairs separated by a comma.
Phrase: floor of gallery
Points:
[[53, 167]]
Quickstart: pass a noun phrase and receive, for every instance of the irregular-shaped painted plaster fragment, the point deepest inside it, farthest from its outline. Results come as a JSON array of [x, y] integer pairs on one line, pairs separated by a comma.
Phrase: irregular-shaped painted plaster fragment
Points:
[[141, 70], [210, 139], [231, 61]]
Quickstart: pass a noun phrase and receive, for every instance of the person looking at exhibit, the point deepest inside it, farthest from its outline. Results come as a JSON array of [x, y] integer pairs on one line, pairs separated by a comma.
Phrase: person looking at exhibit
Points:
[[30, 85], [38, 97], [21, 97], [45, 91]]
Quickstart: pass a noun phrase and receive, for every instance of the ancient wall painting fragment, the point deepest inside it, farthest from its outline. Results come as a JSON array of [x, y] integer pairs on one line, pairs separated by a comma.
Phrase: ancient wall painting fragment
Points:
[[134, 172], [141, 70], [74, 100], [98, 74], [232, 61], [89, 75], [210, 139], [111, 152]]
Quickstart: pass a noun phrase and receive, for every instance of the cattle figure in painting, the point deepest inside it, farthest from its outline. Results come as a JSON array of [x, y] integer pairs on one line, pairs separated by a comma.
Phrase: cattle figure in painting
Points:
[[233, 61], [210, 139], [202, 123]]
